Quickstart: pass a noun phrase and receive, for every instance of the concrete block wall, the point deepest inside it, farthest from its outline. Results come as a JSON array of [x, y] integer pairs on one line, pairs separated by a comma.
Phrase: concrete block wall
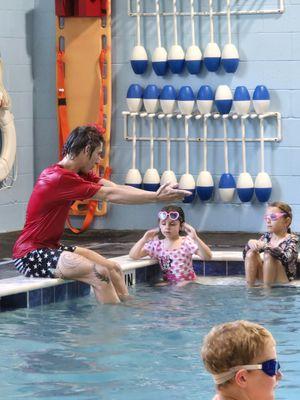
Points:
[[16, 38], [270, 54]]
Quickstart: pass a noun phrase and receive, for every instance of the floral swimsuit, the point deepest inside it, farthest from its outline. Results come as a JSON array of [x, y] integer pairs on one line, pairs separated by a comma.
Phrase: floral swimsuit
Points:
[[286, 252], [176, 264]]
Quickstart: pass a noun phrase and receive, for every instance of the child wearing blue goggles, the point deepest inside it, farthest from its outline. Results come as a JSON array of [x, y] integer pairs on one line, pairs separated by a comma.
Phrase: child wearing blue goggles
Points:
[[241, 356]]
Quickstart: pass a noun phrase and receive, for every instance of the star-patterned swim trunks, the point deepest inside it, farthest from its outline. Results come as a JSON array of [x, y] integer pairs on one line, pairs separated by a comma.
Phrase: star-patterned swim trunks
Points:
[[41, 263]]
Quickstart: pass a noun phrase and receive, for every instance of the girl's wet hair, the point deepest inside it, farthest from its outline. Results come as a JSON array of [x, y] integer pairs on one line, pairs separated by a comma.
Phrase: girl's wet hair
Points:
[[284, 207], [181, 219], [80, 138]]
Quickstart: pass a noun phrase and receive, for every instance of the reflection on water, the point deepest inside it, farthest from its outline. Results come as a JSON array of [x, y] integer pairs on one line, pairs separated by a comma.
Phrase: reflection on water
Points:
[[145, 349]]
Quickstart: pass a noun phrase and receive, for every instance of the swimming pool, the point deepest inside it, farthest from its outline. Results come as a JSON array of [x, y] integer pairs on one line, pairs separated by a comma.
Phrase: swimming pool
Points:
[[140, 351]]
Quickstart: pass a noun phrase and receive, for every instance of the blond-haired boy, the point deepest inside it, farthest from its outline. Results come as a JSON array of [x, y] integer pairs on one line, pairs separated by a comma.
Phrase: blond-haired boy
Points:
[[241, 356]]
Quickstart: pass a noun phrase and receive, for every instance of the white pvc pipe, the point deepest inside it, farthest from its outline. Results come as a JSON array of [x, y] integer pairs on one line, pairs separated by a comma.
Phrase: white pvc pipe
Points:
[[151, 143], [168, 146], [211, 21], [225, 146], [243, 144], [193, 22], [175, 22], [138, 22], [205, 143], [133, 142], [158, 23], [262, 145], [229, 21], [187, 157]]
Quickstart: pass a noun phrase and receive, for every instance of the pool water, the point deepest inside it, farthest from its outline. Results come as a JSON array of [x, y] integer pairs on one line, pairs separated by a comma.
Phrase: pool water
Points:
[[147, 349]]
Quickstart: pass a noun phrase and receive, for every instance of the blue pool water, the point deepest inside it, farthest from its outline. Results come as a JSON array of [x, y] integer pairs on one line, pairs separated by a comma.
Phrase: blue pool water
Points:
[[148, 349]]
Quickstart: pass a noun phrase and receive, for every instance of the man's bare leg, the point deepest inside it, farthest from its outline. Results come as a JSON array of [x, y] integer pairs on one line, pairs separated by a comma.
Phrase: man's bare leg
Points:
[[74, 266], [253, 267], [116, 273], [273, 271]]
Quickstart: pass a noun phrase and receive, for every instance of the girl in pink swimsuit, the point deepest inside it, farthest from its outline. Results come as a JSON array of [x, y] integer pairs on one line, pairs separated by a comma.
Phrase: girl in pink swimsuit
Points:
[[173, 251]]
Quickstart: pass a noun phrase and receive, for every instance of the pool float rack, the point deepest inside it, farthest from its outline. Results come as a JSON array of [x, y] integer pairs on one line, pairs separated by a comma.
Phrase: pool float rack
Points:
[[204, 185], [127, 115], [83, 44], [175, 58], [240, 10]]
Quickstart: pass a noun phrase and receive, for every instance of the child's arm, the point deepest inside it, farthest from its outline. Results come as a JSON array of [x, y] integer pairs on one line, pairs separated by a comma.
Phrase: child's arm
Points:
[[255, 245], [286, 255], [203, 250], [138, 251]]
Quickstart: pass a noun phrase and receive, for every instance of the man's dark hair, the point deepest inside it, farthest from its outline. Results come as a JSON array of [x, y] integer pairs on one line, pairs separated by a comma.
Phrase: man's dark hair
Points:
[[80, 138]]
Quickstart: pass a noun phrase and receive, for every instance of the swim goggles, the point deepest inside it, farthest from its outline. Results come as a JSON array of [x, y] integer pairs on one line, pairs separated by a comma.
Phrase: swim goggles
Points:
[[269, 367], [274, 216], [173, 215]]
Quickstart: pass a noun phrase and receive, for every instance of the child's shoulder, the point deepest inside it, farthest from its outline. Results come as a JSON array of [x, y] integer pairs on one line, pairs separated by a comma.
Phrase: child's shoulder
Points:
[[294, 237]]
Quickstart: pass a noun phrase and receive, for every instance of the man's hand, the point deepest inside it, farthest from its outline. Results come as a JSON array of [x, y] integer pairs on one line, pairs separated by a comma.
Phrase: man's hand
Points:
[[170, 192]]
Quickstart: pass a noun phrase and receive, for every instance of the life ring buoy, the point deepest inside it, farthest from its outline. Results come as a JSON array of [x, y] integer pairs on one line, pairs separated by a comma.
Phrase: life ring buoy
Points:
[[9, 143], [8, 132]]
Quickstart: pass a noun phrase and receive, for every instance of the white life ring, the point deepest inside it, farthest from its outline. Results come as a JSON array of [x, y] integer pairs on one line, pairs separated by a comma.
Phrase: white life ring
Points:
[[9, 143]]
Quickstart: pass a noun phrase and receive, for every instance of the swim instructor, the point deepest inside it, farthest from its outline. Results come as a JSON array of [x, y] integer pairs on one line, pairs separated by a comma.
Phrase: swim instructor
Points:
[[38, 252]]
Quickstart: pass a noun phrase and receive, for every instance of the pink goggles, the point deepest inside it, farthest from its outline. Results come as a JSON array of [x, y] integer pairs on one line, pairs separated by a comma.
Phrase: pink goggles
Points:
[[274, 216], [172, 215]]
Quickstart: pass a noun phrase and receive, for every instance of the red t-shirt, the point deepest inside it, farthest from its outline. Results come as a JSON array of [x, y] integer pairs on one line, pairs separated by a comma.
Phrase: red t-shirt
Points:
[[48, 207]]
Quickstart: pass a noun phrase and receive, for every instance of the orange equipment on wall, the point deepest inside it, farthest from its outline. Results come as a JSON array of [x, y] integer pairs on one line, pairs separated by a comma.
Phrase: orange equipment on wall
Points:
[[83, 42]]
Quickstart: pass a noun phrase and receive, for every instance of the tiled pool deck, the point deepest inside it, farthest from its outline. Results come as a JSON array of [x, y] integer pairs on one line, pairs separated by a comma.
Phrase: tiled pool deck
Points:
[[17, 291]]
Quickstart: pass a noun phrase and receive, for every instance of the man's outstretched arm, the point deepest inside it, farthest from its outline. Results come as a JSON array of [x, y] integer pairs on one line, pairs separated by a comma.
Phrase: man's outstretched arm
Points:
[[122, 194]]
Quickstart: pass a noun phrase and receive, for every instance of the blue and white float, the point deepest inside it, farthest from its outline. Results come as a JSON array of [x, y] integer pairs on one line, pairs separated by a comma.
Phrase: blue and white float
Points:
[[175, 53], [139, 58], [187, 181], [263, 184], [230, 56], [167, 99], [205, 183], [150, 98], [186, 100], [241, 102], [261, 99], [223, 99], [159, 57], [133, 177], [193, 55], [205, 99], [227, 183], [134, 98], [212, 53], [151, 180], [168, 175]]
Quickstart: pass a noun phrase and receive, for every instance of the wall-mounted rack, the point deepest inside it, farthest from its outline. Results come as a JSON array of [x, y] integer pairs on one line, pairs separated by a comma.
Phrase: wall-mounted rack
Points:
[[238, 11], [200, 117]]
